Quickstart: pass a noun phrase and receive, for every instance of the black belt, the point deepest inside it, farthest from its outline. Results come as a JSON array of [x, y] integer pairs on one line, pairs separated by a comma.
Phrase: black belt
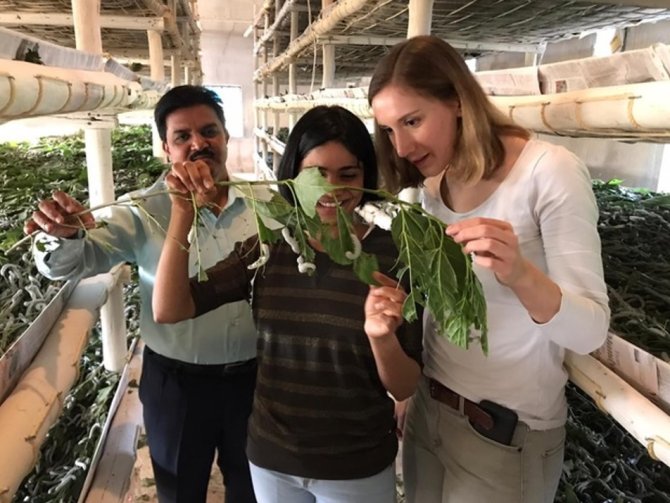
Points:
[[197, 369], [473, 411]]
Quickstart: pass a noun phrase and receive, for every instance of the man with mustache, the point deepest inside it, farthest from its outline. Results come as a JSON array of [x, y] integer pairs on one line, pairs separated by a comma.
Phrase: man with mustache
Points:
[[198, 376]]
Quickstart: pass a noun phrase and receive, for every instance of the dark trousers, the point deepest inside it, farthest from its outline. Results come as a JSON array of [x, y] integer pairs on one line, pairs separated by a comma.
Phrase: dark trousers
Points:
[[191, 413]]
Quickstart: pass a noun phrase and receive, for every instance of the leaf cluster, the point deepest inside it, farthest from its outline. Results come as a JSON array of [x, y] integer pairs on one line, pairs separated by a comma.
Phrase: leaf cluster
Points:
[[302, 222], [440, 275]]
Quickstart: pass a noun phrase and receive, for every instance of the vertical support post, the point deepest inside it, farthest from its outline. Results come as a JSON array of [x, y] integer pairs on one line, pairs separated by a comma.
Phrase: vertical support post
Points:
[[275, 92], [530, 59], [264, 91], [156, 55], [157, 73], [420, 20], [292, 68], [98, 147], [663, 184], [328, 75], [175, 70], [86, 17], [420, 17], [258, 143]]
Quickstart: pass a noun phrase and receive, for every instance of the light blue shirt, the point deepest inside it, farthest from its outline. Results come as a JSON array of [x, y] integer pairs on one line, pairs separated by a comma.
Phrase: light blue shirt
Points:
[[136, 235]]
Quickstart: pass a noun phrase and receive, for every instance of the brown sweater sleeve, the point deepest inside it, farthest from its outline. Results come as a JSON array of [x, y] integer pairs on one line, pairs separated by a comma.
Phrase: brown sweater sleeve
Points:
[[227, 281]]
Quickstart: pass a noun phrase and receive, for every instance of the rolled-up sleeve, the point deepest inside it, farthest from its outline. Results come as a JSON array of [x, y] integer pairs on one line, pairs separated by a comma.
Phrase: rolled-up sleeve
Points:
[[228, 281]]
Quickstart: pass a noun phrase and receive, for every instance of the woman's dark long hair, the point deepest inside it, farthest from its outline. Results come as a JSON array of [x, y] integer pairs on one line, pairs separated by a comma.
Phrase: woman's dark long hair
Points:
[[323, 124]]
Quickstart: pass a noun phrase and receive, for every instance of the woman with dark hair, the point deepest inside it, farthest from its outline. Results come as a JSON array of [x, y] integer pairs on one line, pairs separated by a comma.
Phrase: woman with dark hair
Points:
[[491, 428], [335, 124], [330, 348]]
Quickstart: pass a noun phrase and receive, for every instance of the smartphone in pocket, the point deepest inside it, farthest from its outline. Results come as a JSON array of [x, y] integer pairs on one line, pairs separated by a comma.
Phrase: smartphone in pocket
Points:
[[504, 422]]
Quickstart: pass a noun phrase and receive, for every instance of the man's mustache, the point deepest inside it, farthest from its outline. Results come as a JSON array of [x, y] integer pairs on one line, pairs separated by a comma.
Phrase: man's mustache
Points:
[[204, 153]]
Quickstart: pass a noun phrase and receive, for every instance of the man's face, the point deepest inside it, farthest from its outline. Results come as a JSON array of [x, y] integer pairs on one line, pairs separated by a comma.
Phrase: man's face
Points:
[[194, 133]]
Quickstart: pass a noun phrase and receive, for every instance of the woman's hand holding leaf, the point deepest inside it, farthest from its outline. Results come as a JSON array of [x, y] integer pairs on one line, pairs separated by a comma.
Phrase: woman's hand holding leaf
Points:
[[493, 245], [383, 307]]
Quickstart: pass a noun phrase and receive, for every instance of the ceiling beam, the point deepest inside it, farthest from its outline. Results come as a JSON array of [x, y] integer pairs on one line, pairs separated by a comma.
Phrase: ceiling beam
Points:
[[58, 19], [159, 9], [457, 44], [653, 4], [145, 61], [134, 54]]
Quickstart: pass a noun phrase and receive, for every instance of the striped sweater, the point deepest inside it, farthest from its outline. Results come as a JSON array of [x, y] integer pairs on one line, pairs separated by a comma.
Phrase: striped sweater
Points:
[[320, 410]]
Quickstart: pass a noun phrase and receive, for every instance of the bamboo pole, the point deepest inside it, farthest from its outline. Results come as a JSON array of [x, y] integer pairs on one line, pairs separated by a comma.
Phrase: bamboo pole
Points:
[[292, 68], [342, 10], [420, 20], [36, 402], [643, 420], [639, 111], [420, 17], [157, 73], [86, 14]]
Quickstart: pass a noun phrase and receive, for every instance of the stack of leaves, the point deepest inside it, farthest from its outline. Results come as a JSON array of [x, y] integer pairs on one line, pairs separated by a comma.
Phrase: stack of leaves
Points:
[[634, 229], [29, 173], [602, 461]]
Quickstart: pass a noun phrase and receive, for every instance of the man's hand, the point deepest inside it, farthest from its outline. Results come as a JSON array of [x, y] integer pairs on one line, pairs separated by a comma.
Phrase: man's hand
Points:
[[61, 216], [191, 177]]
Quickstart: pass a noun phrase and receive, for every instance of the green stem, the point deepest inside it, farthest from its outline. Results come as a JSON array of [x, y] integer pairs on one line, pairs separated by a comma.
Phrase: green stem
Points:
[[229, 183]]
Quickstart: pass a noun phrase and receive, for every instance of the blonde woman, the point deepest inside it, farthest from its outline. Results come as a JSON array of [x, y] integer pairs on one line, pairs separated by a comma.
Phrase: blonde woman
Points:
[[491, 428]]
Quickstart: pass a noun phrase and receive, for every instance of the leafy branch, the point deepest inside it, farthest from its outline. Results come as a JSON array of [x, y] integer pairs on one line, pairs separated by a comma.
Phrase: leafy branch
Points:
[[439, 274]]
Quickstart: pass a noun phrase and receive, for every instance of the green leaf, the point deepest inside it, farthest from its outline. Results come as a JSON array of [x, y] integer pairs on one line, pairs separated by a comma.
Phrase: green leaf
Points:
[[440, 275], [364, 266], [341, 242], [302, 226], [277, 208], [309, 187], [409, 307], [266, 234]]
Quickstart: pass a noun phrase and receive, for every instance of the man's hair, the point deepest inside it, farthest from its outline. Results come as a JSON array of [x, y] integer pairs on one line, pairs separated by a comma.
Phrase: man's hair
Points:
[[323, 124], [185, 97]]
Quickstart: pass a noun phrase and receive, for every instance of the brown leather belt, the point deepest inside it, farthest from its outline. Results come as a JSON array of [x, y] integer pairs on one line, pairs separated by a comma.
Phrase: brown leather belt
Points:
[[452, 399]]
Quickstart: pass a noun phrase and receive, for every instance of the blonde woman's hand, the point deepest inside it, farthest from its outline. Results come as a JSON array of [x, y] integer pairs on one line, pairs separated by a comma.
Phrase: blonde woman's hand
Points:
[[383, 307], [493, 245]]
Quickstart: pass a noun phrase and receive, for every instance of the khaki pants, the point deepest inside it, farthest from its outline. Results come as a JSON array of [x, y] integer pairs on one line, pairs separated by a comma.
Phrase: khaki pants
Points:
[[446, 461]]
